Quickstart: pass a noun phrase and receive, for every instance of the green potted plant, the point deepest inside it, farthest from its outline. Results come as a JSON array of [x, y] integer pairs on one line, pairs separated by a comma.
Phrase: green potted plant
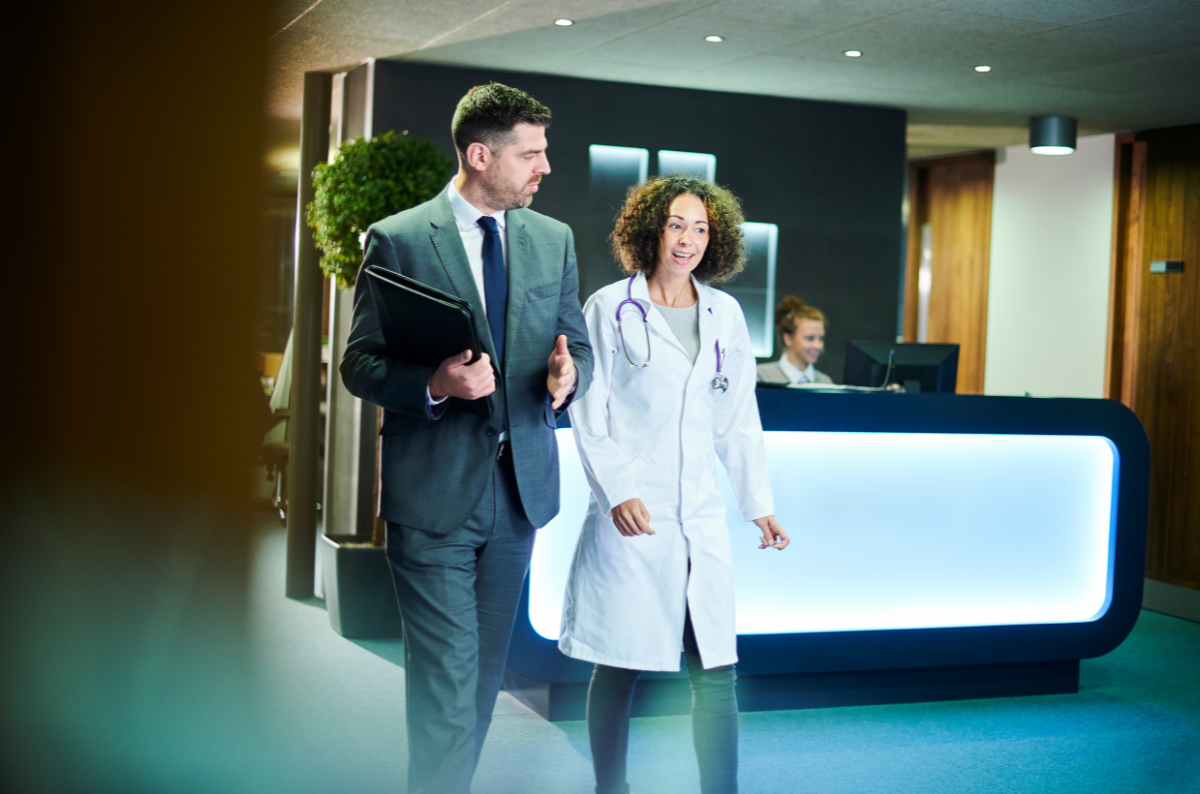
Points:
[[366, 181]]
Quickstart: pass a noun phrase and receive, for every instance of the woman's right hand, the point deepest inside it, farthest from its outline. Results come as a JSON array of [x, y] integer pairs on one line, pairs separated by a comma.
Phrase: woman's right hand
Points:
[[632, 518]]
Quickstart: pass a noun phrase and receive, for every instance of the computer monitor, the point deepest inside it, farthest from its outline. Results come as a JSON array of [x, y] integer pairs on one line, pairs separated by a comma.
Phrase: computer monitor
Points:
[[919, 367]]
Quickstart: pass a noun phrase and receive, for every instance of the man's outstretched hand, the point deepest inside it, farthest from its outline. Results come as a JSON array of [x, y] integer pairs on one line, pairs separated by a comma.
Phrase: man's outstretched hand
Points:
[[454, 377], [561, 379]]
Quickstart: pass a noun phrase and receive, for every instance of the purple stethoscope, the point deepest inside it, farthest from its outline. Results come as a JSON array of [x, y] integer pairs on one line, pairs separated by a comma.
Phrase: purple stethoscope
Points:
[[720, 383]]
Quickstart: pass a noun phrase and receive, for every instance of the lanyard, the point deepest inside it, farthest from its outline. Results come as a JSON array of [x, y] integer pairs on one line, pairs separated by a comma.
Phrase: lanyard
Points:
[[720, 383]]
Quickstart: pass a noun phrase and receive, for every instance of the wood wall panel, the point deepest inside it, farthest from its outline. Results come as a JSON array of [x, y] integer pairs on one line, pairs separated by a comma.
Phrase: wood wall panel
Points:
[[954, 196], [1125, 284], [1155, 360], [918, 213]]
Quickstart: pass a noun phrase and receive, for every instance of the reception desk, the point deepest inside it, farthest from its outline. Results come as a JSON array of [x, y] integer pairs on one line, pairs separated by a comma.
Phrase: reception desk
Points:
[[942, 547]]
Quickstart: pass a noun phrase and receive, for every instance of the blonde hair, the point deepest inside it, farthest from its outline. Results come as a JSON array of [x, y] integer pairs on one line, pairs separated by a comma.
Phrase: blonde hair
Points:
[[791, 310]]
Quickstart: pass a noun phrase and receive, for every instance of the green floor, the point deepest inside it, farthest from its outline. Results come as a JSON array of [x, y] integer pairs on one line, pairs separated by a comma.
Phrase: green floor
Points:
[[1134, 726]]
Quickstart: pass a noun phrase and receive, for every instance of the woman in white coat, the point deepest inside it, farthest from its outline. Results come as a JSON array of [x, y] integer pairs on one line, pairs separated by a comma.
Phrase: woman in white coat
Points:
[[672, 392]]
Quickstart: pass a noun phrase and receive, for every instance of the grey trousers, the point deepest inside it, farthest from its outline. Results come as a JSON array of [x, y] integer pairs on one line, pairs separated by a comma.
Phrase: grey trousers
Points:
[[458, 595]]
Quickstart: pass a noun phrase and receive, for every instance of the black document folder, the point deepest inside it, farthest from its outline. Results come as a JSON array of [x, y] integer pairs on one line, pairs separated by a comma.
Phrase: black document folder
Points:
[[423, 325]]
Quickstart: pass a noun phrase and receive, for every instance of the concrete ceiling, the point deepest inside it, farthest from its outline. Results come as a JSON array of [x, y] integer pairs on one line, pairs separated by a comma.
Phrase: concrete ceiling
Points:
[[1114, 64]]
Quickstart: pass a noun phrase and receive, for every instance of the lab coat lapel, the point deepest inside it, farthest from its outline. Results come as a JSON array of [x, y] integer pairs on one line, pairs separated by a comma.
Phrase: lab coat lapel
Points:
[[709, 334], [448, 244]]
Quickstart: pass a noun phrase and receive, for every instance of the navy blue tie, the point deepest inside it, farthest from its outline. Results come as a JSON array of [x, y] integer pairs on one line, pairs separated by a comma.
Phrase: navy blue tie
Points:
[[495, 285]]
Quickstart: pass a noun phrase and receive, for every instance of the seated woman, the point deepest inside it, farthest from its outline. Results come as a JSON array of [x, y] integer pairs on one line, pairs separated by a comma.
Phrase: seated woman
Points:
[[803, 330]]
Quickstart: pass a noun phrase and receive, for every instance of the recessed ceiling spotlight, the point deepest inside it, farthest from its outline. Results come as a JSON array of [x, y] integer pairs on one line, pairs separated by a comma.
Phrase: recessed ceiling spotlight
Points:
[[983, 68], [714, 39], [564, 23], [852, 54]]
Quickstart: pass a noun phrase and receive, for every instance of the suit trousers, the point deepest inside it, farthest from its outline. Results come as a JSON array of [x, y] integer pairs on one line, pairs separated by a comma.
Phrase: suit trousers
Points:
[[458, 595]]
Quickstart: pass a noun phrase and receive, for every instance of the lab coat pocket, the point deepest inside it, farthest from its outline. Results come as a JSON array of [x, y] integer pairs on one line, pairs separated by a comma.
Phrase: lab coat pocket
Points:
[[727, 371], [731, 360]]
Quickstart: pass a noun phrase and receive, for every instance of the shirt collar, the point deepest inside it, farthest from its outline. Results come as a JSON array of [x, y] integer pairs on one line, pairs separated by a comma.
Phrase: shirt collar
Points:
[[793, 374], [466, 214]]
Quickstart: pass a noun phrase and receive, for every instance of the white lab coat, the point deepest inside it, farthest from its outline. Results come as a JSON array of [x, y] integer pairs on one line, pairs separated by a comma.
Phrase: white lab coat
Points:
[[655, 434]]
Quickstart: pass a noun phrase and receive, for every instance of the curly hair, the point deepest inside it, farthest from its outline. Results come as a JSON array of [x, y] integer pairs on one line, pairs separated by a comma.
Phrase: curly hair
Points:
[[641, 222], [488, 114], [791, 310]]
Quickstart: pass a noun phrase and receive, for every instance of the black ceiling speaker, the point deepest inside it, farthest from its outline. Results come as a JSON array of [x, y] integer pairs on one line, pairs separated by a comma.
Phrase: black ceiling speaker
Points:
[[1052, 135]]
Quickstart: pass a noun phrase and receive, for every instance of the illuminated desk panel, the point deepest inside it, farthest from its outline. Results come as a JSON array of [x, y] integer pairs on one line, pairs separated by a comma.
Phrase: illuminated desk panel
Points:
[[899, 531], [927, 531]]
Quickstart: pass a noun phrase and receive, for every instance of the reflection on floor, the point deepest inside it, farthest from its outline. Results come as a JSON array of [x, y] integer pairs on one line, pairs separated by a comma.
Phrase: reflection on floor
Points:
[[1133, 727]]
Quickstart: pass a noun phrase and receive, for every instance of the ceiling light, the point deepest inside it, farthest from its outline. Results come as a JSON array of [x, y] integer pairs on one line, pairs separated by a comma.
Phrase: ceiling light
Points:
[[564, 23], [983, 68], [714, 39], [1052, 135], [852, 54]]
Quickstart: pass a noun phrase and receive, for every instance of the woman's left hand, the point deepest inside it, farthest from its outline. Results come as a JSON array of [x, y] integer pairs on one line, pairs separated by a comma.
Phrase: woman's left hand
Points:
[[773, 536]]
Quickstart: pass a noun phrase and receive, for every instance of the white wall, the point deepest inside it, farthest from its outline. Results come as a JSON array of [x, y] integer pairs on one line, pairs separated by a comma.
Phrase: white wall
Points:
[[1050, 260]]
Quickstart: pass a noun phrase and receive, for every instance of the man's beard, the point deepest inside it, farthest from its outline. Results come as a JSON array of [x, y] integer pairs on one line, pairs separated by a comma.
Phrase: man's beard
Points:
[[501, 196]]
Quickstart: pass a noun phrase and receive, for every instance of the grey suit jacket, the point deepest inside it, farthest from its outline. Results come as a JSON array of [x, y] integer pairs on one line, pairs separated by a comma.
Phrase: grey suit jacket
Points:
[[435, 468], [771, 372]]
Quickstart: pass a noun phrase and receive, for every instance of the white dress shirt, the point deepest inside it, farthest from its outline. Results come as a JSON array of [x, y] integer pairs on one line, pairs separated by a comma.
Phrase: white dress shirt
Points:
[[794, 374], [466, 217]]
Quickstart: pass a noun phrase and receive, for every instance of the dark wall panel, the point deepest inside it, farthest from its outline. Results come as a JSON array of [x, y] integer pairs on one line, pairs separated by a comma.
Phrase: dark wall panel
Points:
[[830, 175]]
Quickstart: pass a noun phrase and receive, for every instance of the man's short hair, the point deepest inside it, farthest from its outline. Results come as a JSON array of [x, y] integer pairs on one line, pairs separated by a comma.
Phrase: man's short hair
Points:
[[488, 113]]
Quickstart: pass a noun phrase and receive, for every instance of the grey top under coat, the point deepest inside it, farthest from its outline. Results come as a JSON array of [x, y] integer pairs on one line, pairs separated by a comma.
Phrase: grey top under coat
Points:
[[685, 324]]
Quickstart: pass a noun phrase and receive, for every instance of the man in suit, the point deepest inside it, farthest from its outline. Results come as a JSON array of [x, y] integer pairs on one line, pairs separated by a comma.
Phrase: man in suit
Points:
[[461, 493]]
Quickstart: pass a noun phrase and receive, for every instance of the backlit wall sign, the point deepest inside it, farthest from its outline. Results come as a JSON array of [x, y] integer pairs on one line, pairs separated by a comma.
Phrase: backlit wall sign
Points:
[[703, 166], [754, 287], [899, 531], [614, 169]]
